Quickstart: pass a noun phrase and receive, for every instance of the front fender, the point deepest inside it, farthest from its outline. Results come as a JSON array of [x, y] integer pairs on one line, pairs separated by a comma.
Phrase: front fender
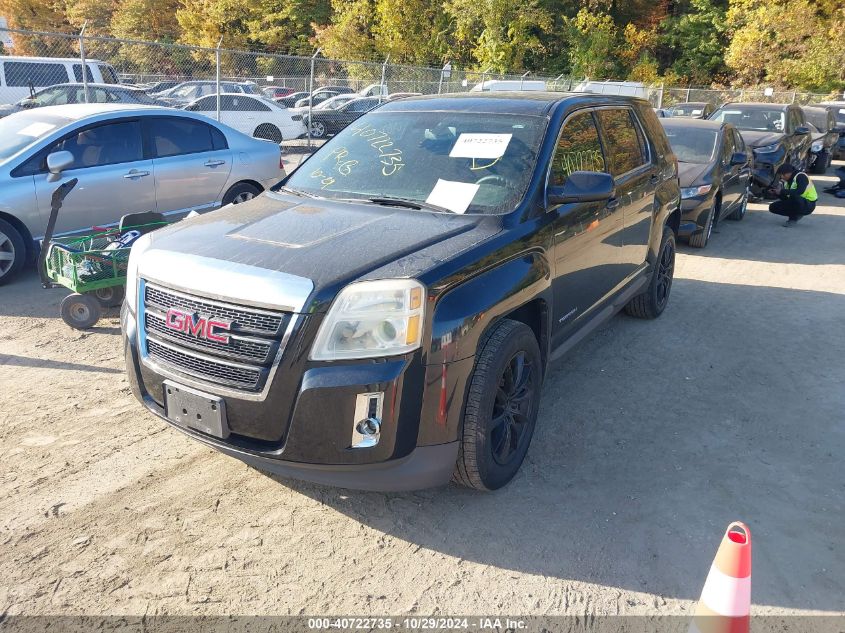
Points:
[[463, 313]]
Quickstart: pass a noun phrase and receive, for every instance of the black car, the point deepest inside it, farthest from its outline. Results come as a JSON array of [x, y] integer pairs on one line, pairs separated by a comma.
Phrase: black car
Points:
[[692, 109], [714, 169], [326, 122], [775, 133], [62, 94], [825, 136], [838, 109], [384, 317]]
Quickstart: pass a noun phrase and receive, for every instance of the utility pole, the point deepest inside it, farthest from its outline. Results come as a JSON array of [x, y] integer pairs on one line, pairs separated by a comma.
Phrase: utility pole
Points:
[[217, 59]]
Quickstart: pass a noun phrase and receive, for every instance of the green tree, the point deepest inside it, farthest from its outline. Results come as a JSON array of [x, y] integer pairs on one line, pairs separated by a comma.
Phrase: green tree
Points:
[[411, 31], [288, 26], [593, 41], [37, 15], [350, 34], [697, 39]]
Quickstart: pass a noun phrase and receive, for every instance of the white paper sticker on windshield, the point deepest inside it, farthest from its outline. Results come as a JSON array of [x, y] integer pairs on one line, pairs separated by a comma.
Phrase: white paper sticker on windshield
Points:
[[480, 145], [455, 196], [36, 129]]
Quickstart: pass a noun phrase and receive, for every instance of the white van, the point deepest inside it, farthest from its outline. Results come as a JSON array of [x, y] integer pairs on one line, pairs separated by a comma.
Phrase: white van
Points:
[[19, 74], [625, 88], [509, 85]]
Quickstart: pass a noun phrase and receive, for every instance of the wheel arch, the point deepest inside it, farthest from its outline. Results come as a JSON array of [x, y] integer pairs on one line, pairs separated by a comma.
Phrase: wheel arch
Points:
[[21, 228]]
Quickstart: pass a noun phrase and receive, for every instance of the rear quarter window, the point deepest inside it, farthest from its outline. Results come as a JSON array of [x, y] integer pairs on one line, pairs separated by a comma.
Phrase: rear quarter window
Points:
[[623, 149], [36, 74]]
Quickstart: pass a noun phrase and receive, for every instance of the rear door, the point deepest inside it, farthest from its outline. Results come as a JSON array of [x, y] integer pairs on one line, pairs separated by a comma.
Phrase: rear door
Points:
[[585, 233], [731, 186], [629, 157], [744, 170], [192, 163], [114, 177]]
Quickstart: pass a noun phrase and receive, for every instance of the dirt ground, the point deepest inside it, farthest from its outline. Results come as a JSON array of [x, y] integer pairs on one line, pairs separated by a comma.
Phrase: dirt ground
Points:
[[652, 437]]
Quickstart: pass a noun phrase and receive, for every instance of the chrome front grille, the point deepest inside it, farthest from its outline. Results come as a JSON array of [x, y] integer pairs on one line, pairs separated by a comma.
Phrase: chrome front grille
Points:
[[242, 363]]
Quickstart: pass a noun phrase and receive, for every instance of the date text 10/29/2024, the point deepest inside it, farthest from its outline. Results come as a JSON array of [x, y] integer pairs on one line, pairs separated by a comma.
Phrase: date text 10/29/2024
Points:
[[418, 623]]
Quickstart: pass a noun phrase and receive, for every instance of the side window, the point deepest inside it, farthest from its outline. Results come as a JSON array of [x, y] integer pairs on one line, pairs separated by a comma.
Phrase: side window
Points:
[[228, 103], [727, 147], [740, 144], [578, 149], [206, 104], [104, 145], [174, 136], [624, 152], [108, 74], [34, 73], [77, 73]]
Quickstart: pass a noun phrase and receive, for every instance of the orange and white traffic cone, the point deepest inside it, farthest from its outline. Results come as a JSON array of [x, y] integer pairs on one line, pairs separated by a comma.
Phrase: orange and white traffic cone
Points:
[[725, 603]]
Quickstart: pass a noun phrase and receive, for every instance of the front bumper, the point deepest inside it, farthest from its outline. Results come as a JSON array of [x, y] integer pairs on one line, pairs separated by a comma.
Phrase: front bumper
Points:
[[694, 213], [317, 412]]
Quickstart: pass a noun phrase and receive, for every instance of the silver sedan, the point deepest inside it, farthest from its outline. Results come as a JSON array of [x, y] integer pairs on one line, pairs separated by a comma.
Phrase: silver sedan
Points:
[[128, 159]]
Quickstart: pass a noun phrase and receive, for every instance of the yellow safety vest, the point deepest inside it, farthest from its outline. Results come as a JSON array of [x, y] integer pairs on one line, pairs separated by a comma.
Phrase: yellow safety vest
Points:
[[810, 192]]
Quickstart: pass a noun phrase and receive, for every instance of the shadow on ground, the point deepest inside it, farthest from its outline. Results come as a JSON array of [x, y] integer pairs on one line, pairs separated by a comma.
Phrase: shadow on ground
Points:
[[642, 457]]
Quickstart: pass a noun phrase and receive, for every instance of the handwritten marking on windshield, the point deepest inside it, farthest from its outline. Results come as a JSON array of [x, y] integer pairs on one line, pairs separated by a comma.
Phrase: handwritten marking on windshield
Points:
[[381, 141]]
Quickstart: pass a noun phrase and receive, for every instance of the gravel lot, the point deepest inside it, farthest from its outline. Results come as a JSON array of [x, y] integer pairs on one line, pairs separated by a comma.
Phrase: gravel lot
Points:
[[652, 437]]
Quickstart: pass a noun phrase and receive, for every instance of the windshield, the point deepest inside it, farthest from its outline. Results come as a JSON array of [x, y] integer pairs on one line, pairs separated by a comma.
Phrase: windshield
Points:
[[692, 145], [687, 110], [752, 119], [817, 118], [20, 130], [184, 91], [462, 161]]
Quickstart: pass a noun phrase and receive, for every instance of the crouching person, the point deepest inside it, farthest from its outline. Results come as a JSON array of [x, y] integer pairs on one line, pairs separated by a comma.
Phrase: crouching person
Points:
[[797, 195]]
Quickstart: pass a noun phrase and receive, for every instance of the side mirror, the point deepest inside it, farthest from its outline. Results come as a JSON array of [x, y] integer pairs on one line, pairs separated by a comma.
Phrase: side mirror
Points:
[[739, 158], [583, 186], [57, 162], [802, 129]]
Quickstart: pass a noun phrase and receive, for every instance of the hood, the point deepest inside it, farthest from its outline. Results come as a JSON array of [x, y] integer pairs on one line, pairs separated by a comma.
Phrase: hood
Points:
[[8, 109], [689, 173], [759, 139], [331, 243]]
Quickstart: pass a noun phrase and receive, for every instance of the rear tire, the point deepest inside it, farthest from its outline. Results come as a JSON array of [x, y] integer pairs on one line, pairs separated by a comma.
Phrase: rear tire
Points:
[[241, 192], [80, 311], [501, 409], [268, 132], [110, 297], [651, 303], [13, 252]]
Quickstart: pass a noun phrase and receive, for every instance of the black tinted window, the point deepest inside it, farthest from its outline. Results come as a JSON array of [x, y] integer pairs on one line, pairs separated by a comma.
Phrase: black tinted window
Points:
[[36, 74], [623, 147], [108, 74], [77, 72], [578, 149], [104, 145], [172, 137]]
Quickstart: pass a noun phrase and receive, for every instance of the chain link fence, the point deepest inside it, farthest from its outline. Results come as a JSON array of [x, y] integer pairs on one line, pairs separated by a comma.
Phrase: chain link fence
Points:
[[266, 94]]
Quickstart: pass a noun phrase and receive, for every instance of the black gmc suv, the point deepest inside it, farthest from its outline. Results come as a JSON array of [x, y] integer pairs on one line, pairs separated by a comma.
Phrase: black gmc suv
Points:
[[384, 317]]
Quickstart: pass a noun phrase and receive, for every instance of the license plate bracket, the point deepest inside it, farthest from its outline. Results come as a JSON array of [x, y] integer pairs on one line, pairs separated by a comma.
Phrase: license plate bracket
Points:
[[196, 410]]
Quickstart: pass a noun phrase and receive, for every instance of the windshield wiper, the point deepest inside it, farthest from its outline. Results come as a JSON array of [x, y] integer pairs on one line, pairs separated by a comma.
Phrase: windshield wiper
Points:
[[297, 192], [389, 201]]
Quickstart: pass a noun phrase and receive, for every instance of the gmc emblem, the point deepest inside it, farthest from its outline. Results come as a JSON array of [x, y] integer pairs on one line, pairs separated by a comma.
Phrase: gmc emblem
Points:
[[198, 327]]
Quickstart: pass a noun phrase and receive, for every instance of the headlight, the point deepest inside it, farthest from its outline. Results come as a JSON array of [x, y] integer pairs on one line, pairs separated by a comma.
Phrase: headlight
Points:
[[138, 248], [372, 318], [816, 146], [692, 192], [767, 149]]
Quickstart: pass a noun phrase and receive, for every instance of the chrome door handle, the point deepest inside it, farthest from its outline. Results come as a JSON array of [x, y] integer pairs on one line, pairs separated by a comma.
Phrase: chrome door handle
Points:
[[134, 173], [214, 163]]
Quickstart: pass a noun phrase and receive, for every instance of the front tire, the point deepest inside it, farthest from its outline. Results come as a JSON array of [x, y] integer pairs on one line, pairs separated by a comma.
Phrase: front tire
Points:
[[12, 252], [318, 129], [241, 192], [651, 303], [80, 311], [501, 408], [700, 240]]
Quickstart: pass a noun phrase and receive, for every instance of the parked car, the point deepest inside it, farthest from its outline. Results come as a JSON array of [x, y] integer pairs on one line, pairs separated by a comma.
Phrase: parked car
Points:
[[75, 93], [129, 159], [662, 113], [402, 95], [776, 134], [509, 85], [20, 76], [291, 99], [161, 86], [189, 91], [325, 122], [374, 326], [714, 169], [256, 116], [277, 92], [329, 104], [825, 136], [838, 108], [694, 110], [323, 94]]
